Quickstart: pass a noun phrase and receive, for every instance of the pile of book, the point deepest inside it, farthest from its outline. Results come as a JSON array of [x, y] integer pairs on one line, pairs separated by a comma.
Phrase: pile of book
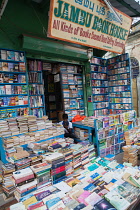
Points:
[[42, 173], [25, 182], [4, 128], [68, 154], [57, 160], [32, 123], [130, 154], [41, 124], [84, 153], [23, 124], [101, 185], [7, 183], [132, 136], [77, 163], [91, 152], [13, 126]]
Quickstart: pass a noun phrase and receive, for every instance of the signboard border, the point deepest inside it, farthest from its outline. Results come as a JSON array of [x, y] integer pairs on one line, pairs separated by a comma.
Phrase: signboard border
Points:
[[74, 42]]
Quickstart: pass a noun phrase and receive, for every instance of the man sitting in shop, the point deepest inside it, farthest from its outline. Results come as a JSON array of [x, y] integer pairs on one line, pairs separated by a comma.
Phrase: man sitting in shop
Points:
[[67, 127]]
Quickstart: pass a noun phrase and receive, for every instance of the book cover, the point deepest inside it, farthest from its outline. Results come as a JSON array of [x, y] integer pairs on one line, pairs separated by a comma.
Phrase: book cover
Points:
[[80, 206], [52, 202], [42, 195], [58, 206], [104, 205], [35, 205], [16, 56], [21, 56], [117, 200], [93, 199], [83, 196], [29, 201], [10, 55], [3, 54]]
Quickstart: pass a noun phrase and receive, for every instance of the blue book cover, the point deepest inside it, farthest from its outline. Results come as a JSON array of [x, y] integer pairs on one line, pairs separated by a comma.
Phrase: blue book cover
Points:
[[90, 187], [52, 202], [10, 55]]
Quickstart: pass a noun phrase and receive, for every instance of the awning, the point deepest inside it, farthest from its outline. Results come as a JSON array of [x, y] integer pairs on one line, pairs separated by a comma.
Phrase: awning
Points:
[[129, 7]]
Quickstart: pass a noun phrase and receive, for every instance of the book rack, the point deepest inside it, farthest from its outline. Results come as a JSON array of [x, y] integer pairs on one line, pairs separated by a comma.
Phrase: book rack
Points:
[[109, 132], [111, 85], [13, 84], [36, 88], [72, 89]]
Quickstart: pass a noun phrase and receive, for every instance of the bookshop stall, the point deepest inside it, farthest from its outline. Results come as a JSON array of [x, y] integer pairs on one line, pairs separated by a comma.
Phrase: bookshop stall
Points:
[[40, 79]]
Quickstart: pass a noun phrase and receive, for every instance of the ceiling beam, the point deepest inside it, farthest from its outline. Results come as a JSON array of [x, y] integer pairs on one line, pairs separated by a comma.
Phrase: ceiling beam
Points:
[[128, 6]]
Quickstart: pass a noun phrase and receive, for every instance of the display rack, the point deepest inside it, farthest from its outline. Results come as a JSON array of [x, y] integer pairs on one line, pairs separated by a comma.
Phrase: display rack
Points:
[[119, 76], [99, 83], [111, 85], [13, 84], [109, 132], [36, 88], [72, 88]]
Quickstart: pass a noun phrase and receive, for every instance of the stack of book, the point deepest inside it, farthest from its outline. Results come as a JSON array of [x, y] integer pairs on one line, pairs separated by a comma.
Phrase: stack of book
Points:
[[8, 186], [42, 173], [91, 152], [84, 153], [22, 124], [68, 154], [57, 160], [35, 159], [32, 124], [4, 128], [130, 154], [132, 136], [21, 164], [24, 181], [47, 66], [41, 124], [76, 156], [13, 126]]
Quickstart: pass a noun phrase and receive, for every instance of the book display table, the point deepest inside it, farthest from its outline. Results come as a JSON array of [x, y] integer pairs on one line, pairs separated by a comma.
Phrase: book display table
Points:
[[84, 128]]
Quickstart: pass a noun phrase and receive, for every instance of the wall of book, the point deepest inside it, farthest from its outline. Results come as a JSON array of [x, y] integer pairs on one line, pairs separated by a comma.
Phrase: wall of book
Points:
[[36, 88], [99, 82], [72, 88], [13, 84], [111, 85], [110, 132], [119, 77]]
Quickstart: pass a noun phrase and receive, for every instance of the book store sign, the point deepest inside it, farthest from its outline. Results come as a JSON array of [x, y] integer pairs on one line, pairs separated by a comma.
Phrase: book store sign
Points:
[[89, 23]]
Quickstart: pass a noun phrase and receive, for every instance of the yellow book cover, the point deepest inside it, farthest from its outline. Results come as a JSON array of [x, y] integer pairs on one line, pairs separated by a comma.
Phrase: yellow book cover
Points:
[[29, 201]]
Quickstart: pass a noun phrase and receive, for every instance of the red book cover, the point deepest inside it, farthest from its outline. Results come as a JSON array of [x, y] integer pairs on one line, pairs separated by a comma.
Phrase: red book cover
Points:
[[17, 181], [36, 205]]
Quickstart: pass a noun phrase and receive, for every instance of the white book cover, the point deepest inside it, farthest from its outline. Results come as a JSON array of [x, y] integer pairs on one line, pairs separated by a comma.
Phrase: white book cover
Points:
[[22, 173], [26, 186], [58, 206], [93, 199], [117, 200]]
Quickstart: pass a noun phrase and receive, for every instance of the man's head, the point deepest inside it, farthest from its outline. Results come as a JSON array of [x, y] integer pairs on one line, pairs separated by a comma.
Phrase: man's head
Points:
[[65, 117]]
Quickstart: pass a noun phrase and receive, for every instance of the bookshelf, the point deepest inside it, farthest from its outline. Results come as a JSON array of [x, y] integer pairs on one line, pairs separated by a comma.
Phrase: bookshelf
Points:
[[109, 132], [119, 76], [72, 89], [13, 84], [111, 85], [36, 88], [99, 83]]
